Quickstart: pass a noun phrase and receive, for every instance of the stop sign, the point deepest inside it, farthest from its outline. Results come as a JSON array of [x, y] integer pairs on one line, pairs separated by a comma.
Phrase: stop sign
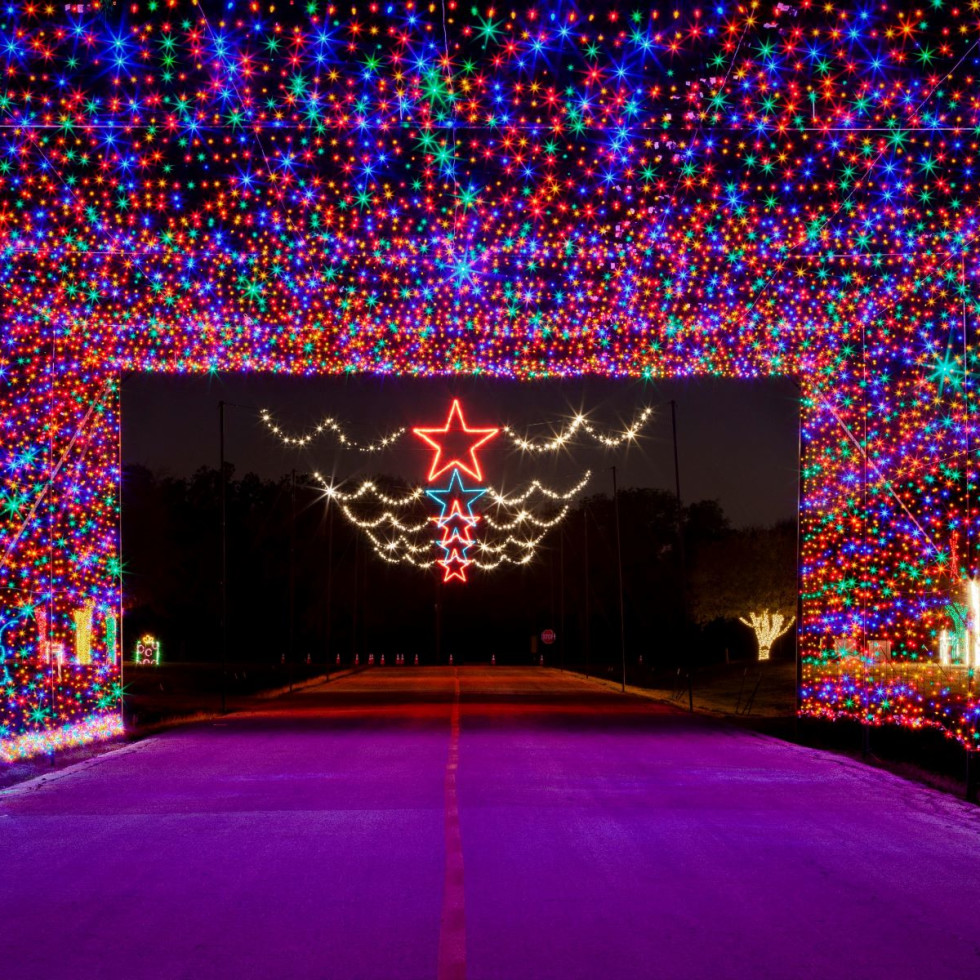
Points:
[[548, 636]]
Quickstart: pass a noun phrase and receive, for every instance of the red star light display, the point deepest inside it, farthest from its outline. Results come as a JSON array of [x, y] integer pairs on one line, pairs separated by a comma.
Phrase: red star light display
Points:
[[454, 443], [455, 541], [455, 523]]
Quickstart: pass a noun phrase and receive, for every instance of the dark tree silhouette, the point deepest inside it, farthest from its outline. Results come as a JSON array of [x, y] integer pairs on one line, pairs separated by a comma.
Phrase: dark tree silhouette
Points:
[[347, 601], [749, 576]]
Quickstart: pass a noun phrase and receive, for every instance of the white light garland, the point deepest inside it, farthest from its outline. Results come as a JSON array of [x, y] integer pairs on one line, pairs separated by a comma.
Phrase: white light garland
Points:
[[565, 437], [581, 422], [369, 487], [404, 558], [411, 542], [502, 500], [332, 426], [402, 541], [526, 517], [489, 566], [526, 544], [536, 486], [386, 518]]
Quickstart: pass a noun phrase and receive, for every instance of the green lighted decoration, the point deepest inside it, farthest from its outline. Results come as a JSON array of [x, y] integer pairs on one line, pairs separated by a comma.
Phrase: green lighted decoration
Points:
[[147, 653]]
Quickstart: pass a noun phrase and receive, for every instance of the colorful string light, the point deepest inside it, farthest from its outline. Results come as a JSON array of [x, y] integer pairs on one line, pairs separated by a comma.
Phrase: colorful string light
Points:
[[412, 542], [147, 651], [529, 192], [455, 446]]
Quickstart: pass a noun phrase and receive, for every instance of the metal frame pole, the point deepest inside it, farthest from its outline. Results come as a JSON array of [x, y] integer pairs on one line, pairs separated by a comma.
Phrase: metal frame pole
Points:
[[799, 568], [120, 652]]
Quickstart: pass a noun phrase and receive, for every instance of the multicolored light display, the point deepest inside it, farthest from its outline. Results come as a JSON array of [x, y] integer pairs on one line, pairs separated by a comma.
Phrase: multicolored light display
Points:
[[455, 446], [666, 189], [147, 651]]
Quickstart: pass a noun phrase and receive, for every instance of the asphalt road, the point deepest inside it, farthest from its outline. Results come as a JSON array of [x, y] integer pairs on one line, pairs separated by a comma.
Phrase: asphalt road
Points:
[[482, 823]]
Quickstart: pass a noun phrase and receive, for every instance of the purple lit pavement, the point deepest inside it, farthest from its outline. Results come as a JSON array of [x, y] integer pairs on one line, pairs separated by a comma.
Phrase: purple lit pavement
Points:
[[482, 823]]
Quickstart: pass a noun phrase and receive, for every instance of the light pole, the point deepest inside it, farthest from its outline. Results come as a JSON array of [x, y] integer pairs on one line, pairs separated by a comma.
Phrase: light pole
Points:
[[292, 575], [223, 601], [585, 553], [438, 611], [680, 550], [561, 597], [353, 605], [329, 610], [799, 565], [619, 565]]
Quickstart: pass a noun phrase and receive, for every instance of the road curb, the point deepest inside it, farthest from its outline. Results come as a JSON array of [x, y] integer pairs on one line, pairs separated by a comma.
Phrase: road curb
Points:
[[36, 782]]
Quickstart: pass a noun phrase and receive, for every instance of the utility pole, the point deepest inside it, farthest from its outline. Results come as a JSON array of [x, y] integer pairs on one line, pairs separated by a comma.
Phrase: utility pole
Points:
[[362, 592], [619, 565], [680, 552], [353, 605], [585, 552], [329, 622], [561, 597], [292, 575], [438, 582], [223, 599]]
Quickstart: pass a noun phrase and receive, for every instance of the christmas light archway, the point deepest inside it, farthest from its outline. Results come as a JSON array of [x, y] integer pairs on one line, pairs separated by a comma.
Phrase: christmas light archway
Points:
[[527, 192]]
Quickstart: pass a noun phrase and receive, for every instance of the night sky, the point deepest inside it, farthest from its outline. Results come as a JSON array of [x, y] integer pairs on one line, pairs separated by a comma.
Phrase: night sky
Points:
[[737, 439]]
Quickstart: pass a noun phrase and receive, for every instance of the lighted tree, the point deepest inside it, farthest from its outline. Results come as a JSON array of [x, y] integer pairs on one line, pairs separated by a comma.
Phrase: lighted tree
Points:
[[768, 627], [748, 575]]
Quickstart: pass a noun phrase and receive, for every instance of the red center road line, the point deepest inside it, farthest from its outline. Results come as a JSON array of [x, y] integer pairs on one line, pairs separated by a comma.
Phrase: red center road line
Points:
[[452, 931]]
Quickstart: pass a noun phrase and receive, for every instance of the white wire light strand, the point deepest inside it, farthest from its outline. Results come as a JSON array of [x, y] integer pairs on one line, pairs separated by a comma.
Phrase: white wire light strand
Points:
[[330, 425], [581, 422], [608, 439], [536, 486]]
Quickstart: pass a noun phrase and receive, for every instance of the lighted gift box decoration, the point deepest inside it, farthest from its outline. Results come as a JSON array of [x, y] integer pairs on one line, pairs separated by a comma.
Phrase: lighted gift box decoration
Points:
[[147, 652]]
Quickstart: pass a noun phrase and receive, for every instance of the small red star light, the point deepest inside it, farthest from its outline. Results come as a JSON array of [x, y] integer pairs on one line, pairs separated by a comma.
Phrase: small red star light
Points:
[[455, 565]]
